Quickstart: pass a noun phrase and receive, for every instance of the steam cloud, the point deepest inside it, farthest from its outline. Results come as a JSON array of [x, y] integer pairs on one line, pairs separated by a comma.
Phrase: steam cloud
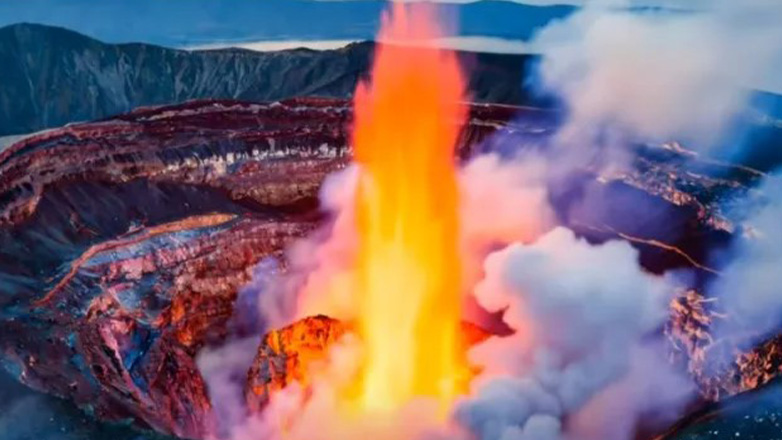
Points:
[[577, 326], [750, 281], [659, 76]]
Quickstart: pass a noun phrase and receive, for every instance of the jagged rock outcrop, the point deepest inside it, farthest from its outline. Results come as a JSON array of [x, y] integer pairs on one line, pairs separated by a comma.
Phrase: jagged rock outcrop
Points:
[[286, 355]]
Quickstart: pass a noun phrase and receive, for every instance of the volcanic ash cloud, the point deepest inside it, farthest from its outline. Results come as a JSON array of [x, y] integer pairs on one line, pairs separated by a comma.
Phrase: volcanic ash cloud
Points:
[[579, 313], [749, 285], [660, 76]]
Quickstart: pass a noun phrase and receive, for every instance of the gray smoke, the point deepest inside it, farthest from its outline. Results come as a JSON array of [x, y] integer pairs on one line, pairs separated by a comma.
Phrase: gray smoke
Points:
[[584, 363], [659, 76], [225, 369], [749, 287], [650, 391], [580, 313]]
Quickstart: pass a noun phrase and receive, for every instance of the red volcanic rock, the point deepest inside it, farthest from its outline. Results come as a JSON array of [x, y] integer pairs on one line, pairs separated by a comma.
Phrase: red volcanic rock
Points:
[[124, 242], [287, 354], [721, 367], [126, 320]]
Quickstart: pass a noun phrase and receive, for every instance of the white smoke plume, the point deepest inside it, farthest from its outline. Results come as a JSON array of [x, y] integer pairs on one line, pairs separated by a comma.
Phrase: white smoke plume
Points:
[[579, 313], [750, 282], [321, 281], [651, 394], [659, 76], [225, 370], [583, 317]]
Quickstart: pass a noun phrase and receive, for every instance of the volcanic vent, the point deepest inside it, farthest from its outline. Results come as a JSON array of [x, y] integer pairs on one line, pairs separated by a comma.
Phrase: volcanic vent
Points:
[[379, 341], [405, 277]]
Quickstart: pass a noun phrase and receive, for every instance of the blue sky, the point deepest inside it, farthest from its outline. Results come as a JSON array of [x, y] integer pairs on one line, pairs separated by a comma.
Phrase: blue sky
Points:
[[201, 22]]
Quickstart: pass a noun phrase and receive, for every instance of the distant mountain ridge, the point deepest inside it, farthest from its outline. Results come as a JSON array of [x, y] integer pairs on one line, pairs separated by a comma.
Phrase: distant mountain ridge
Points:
[[179, 23], [52, 76]]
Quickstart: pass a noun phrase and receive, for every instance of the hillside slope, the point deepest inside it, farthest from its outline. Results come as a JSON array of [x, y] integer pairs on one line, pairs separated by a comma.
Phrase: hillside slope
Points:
[[53, 76]]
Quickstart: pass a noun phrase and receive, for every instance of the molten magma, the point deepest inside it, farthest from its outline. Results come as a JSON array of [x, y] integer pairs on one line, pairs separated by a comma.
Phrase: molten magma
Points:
[[407, 123]]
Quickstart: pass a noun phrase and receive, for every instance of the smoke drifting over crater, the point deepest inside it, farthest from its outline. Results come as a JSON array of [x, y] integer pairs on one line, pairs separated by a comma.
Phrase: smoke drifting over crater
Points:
[[577, 325], [659, 75], [749, 285]]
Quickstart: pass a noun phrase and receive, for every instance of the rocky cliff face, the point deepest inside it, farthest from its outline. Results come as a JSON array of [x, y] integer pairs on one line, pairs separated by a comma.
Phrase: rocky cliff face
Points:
[[124, 242], [52, 76]]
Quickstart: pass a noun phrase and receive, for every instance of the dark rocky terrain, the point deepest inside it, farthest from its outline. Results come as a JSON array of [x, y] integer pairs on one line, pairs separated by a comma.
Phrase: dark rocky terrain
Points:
[[53, 76], [124, 242], [29, 415], [754, 416]]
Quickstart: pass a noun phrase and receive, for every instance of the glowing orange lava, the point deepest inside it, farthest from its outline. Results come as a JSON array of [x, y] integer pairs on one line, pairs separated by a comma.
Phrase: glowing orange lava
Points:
[[406, 127]]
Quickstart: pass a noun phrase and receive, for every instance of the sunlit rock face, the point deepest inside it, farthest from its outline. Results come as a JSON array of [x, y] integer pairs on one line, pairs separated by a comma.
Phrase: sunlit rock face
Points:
[[124, 242], [285, 356]]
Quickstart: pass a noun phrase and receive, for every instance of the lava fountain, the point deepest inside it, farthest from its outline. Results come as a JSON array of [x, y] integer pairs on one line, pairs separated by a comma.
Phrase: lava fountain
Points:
[[407, 123]]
